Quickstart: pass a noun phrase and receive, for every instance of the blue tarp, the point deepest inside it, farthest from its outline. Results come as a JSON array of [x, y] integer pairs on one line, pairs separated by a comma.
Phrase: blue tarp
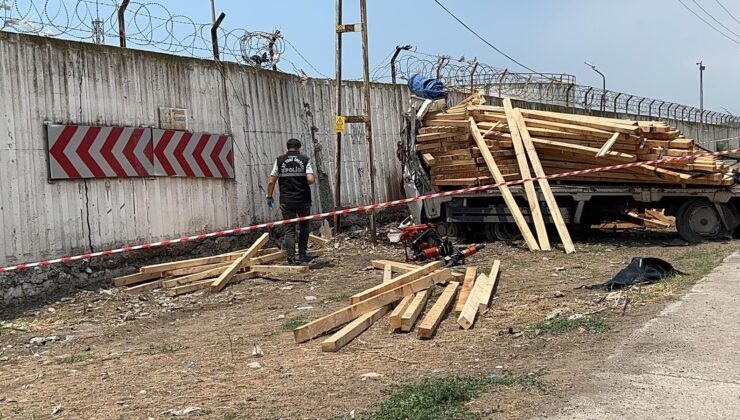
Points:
[[426, 87]]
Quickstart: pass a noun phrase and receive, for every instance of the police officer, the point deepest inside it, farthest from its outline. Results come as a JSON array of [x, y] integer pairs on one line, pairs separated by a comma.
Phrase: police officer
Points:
[[294, 174]]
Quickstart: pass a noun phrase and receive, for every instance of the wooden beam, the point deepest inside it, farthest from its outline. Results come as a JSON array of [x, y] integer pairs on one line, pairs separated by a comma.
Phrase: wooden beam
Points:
[[398, 281], [207, 274], [347, 314], [318, 240], [434, 317], [552, 205], [529, 190], [608, 145], [192, 270], [397, 267], [505, 192], [268, 258], [467, 286], [470, 310], [394, 319], [279, 269], [225, 277], [414, 309], [188, 288], [489, 287], [145, 287], [159, 268], [342, 337], [135, 278]]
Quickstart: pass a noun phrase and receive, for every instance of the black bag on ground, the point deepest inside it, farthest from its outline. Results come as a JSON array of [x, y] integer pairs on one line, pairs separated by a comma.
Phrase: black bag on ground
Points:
[[641, 271]]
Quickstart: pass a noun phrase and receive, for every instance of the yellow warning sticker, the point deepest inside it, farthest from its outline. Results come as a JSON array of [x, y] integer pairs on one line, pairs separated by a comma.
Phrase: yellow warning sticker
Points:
[[339, 122]]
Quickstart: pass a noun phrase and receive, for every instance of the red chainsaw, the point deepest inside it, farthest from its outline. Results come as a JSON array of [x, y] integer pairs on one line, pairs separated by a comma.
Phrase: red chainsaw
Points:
[[422, 242]]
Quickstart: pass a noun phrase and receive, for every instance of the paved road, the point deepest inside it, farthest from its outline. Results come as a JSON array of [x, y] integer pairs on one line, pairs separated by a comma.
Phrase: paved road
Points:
[[684, 364]]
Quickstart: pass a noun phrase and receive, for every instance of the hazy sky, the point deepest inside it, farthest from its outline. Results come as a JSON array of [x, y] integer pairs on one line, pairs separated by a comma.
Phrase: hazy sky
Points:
[[645, 47]]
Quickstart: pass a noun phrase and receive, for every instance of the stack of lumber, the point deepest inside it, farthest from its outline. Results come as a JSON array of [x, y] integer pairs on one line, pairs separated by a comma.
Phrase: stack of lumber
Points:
[[448, 143], [212, 273], [649, 218], [404, 294]]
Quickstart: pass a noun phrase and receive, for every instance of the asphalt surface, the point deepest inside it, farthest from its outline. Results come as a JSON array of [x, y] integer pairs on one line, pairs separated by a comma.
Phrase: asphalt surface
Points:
[[683, 364]]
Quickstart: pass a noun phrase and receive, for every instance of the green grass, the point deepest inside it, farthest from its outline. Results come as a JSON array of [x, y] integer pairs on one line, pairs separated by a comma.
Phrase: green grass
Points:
[[595, 324], [444, 398], [74, 358], [338, 298], [294, 323], [169, 348]]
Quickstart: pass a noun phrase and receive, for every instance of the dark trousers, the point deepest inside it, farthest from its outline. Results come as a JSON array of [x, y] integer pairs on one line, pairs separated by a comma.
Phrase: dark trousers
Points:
[[291, 211]]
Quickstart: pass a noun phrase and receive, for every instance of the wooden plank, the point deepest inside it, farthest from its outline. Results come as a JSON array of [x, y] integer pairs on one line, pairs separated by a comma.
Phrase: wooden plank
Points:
[[470, 309], [268, 258], [394, 319], [434, 317], [608, 145], [207, 274], [467, 286], [398, 281], [414, 309], [530, 192], [318, 240], [347, 314], [188, 288], [397, 267], [156, 284], [348, 333], [279, 269], [552, 205], [505, 192], [159, 268], [192, 270], [225, 277], [135, 278], [342, 337], [489, 287]]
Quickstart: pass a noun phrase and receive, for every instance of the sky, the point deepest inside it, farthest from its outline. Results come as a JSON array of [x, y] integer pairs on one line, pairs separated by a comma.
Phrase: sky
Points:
[[645, 47]]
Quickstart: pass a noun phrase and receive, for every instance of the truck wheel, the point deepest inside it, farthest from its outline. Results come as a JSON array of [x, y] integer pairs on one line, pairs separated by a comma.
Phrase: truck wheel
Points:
[[507, 232], [698, 220], [459, 231]]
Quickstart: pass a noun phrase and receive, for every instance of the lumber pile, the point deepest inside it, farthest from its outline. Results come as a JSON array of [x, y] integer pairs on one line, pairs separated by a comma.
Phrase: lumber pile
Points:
[[649, 218], [406, 294], [212, 273], [448, 143]]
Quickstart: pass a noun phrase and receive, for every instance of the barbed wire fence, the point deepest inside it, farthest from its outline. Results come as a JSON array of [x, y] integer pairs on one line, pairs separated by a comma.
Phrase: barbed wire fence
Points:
[[465, 75], [146, 25]]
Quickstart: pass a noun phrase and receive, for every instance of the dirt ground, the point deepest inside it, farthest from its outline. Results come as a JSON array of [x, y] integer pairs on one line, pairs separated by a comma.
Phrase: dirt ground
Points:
[[119, 356]]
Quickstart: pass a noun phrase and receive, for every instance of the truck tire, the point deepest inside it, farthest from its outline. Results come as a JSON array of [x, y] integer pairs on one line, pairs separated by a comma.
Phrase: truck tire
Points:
[[698, 220], [506, 232]]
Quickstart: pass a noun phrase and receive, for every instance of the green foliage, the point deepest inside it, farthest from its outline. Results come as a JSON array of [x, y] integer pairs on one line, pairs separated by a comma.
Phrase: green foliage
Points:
[[294, 323], [594, 324]]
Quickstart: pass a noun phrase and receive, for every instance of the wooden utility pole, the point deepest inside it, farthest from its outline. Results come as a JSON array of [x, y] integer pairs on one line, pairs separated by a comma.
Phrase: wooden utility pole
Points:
[[340, 119]]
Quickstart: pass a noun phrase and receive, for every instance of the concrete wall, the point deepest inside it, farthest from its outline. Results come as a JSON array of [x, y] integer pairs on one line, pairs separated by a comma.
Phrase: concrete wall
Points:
[[49, 80]]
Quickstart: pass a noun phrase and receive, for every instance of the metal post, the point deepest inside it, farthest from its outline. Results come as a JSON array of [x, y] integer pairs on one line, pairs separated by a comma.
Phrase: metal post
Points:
[[702, 67], [338, 101], [399, 48], [615, 101], [122, 23], [213, 11], [472, 77], [214, 36], [650, 108], [639, 106], [368, 122], [603, 79], [627, 104]]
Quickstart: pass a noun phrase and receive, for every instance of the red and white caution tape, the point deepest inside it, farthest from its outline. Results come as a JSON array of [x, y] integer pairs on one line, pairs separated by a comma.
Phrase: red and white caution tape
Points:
[[359, 209]]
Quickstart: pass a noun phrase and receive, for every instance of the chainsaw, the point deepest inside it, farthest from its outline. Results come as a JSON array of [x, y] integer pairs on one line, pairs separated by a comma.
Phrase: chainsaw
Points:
[[422, 242]]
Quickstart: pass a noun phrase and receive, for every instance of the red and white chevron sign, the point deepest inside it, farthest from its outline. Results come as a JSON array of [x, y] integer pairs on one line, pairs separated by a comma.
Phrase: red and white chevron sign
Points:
[[80, 151], [203, 155]]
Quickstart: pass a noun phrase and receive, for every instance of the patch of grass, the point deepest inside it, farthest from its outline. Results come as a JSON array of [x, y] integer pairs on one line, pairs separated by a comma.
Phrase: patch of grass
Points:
[[74, 358], [294, 323], [595, 324], [444, 398], [170, 348]]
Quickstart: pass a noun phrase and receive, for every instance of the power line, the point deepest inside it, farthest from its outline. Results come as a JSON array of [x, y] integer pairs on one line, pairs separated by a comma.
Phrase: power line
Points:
[[304, 59], [715, 19], [486, 41], [727, 10], [709, 24]]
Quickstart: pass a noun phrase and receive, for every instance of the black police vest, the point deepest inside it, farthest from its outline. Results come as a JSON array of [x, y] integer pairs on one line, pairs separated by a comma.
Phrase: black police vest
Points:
[[294, 188]]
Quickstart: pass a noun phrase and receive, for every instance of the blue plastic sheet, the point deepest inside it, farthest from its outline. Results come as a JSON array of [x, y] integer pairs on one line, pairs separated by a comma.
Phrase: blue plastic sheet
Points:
[[427, 87]]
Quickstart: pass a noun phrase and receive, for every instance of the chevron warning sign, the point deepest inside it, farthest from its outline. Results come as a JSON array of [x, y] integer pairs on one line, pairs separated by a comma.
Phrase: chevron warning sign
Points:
[[79, 151], [181, 153]]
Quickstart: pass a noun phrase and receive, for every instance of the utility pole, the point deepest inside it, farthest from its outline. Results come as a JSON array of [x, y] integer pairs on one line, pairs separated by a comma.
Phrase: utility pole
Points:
[[702, 67], [340, 119], [603, 80]]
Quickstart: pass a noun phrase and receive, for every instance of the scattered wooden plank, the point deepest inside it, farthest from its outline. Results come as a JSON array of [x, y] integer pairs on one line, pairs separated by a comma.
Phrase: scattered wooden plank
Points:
[[225, 277], [135, 278], [434, 317], [207, 274], [414, 309], [192, 270], [467, 286], [189, 288], [470, 309], [529, 190], [159, 268], [489, 287], [398, 281], [397, 267], [608, 145], [394, 319], [347, 314], [318, 240], [268, 258], [279, 269], [145, 287], [505, 192]]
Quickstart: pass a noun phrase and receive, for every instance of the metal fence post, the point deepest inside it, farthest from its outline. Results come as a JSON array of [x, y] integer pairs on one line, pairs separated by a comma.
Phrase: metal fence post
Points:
[[214, 36], [122, 23]]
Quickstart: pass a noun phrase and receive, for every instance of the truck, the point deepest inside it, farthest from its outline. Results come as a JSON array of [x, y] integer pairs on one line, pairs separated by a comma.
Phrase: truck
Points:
[[701, 212]]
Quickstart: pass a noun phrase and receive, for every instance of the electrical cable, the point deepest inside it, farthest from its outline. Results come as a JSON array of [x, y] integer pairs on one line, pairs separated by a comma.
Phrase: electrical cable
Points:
[[290, 44], [486, 41], [728, 11], [709, 24], [714, 18]]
